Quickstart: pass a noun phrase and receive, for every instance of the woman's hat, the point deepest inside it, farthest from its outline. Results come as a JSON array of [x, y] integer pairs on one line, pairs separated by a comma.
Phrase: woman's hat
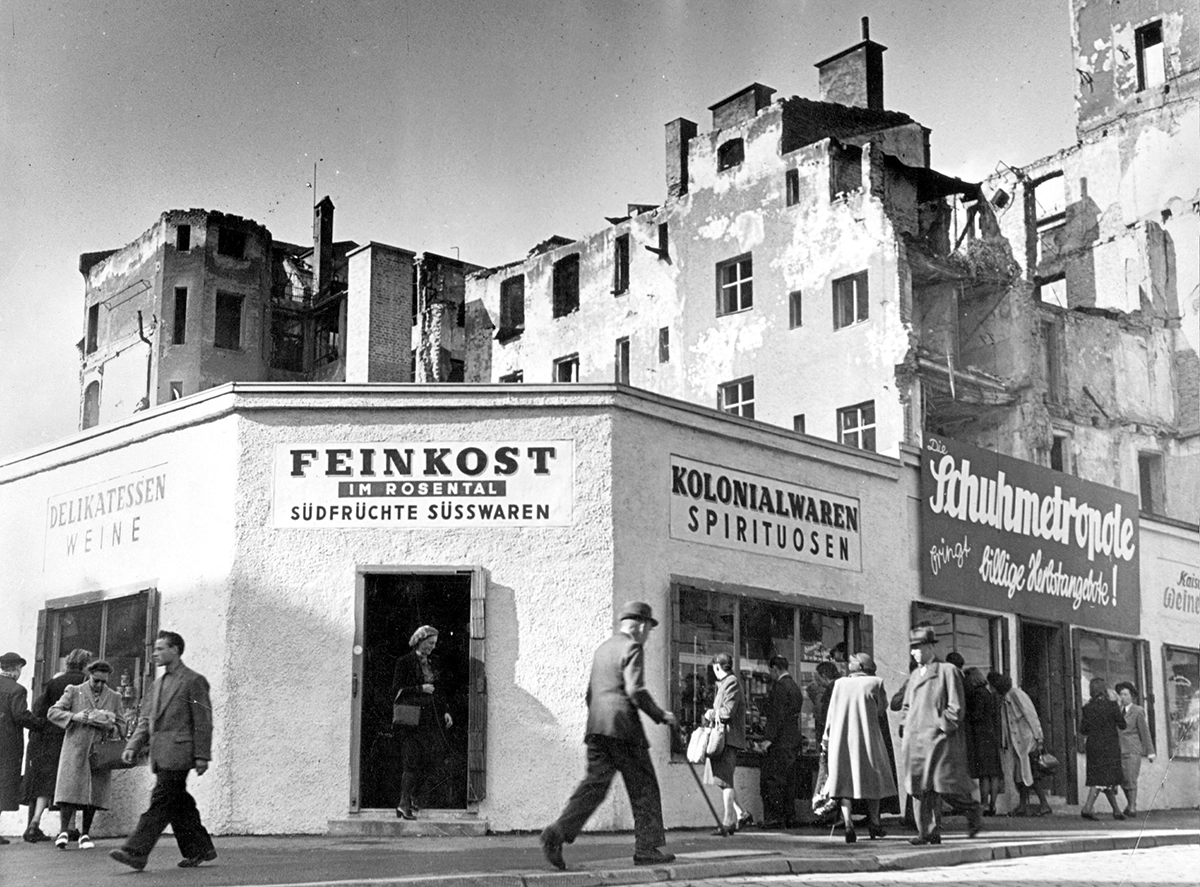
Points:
[[639, 610], [920, 636], [9, 659], [99, 665]]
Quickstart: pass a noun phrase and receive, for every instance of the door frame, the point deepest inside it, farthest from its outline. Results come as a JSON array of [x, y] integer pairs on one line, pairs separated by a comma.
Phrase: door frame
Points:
[[477, 706], [1066, 754]]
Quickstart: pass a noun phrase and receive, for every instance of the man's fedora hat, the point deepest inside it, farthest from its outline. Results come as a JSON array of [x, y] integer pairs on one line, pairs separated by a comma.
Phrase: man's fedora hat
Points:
[[919, 636], [639, 610], [12, 659]]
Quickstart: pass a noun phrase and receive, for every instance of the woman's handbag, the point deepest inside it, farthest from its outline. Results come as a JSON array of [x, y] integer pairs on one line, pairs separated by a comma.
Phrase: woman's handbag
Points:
[[1044, 763], [406, 715], [106, 755], [822, 803], [716, 739], [697, 749]]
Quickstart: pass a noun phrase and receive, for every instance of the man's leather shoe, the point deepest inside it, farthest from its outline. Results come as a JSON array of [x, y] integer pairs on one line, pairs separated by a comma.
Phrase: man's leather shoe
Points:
[[552, 842], [652, 857], [192, 861], [137, 863]]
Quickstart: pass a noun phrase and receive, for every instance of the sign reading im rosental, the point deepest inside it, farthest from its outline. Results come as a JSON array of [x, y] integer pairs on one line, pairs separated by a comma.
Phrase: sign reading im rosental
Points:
[[1004, 534], [439, 484], [732, 509]]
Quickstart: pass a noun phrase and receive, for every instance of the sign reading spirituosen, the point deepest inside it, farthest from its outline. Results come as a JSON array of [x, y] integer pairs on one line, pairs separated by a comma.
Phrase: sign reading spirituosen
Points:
[[1005, 534], [444, 483]]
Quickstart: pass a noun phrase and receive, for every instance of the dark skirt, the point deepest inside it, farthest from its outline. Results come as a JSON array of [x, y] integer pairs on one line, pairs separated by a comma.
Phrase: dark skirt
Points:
[[719, 768], [41, 766]]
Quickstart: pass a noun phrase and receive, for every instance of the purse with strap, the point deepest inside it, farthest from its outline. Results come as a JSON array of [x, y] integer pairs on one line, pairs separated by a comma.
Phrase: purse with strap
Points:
[[716, 739], [405, 714], [697, 749], [106, 755]]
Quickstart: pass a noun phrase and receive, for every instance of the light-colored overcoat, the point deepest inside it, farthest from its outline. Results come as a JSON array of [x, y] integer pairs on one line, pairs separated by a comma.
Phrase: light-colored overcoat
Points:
[[76, 782], [1021, 730], [934, 752], [859, 766]]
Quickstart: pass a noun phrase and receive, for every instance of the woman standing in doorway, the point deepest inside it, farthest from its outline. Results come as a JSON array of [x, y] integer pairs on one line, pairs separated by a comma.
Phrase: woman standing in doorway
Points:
[[729, 710], [1100, 723], [1136, 743], [414, 686]]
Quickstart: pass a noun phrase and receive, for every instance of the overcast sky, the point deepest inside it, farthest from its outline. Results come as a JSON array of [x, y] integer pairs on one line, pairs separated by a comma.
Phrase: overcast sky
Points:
[[435, 125]]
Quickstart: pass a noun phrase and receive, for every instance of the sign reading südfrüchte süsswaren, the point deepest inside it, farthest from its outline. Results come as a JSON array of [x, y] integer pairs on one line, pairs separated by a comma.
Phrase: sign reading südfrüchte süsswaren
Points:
[[410, 485], [720, 506]]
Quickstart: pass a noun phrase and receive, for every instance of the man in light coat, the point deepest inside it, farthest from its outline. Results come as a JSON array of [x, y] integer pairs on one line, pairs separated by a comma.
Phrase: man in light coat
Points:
[[1136, 743], [616, 743], [934, 752], [177, 724]]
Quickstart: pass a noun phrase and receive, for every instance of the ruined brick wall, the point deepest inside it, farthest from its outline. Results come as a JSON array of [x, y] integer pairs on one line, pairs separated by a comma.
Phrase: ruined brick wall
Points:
[[379, 315]]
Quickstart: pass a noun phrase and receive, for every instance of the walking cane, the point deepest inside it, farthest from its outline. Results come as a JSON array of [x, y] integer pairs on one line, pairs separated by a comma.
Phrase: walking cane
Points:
[[707, 800]]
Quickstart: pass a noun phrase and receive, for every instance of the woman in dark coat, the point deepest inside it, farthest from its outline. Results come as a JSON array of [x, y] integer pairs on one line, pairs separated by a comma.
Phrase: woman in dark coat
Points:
[[414, 684], [729, 709], [983, 738], [1099, 724], [45, 745]]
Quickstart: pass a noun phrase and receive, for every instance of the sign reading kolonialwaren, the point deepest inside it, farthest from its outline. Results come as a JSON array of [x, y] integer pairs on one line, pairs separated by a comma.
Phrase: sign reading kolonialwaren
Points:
[[1004, 534], [732, 509], [439, 484]]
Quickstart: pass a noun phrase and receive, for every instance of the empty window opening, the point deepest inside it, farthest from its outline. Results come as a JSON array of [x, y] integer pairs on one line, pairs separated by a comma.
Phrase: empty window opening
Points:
[[735, 285], [231, 242], [664, 344], [566, 369], [621, 265], [460, 315], [176, 390], [621, 360], [664, 238], [1052, 290], [795, 309], [1060, 452], [179, 326], [93, 329], [1151, 69], [731, 154], [327, 333], [1150, 482], [228, 327], [458, 370], [1050, 214], [737, 397], [798, 423], [850, 300], [512, 307], [91, 405], [516, 377], [856, 426], [845, 174], [183, 238], [791, 186], [287, 342], [1052, 362], [566, 285]]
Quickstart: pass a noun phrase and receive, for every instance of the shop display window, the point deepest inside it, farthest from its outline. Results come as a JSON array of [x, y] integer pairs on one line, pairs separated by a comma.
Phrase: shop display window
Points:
[[1115, 660], [752, 629], [976, 637], [1181, 673]]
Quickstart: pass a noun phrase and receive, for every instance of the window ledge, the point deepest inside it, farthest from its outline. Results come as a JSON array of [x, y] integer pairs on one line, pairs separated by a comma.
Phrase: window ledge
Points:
[[733, 313]]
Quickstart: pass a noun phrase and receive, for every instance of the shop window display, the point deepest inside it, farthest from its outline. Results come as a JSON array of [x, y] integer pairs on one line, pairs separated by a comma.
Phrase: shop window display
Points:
[[970, 634], [1181, 671], [1114, 660]]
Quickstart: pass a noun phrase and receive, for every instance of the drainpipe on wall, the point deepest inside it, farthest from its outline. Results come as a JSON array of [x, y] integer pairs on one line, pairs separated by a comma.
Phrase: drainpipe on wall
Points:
[[144, 403]]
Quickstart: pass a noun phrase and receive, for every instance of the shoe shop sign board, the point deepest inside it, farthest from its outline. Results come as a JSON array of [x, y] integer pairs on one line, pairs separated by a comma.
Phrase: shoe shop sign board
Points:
[[1005, 534]]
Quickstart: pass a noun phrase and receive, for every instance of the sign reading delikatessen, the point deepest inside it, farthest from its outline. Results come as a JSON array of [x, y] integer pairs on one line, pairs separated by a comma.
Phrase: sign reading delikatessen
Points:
[[105, 519], [439, 484], [732, 509], [1004, 534]]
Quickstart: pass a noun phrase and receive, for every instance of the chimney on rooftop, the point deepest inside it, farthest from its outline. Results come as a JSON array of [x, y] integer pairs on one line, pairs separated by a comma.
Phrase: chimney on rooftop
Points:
[[323, 246], [855, 76], [679, 131]]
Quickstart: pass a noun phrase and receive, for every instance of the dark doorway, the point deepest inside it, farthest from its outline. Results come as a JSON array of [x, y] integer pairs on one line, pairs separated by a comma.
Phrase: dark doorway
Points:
[[1045, 677], [394, 606]]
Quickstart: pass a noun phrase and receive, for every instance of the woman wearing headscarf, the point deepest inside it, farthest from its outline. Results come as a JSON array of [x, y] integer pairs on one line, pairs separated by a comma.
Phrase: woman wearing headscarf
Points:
[[859, 765], [414, 683], [87, 712], [1136, 743], [1100, 724], [729, 709], [1020, 736], [45, 745], [983, 738]]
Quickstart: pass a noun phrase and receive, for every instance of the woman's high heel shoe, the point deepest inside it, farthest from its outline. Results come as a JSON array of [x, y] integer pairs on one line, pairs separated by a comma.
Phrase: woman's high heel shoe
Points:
[[851, 836], [876, 831], [405, 813]]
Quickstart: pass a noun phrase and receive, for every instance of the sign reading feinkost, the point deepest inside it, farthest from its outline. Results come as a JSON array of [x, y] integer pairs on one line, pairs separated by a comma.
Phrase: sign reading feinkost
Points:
[[1004, 534], [438, 484]]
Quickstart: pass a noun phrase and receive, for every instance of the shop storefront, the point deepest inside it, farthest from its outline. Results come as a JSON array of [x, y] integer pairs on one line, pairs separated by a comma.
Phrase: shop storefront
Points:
[[300, 532]]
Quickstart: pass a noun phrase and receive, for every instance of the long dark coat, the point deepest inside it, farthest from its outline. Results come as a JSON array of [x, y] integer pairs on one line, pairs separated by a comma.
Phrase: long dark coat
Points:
[[1100, 722], [983, 731], [46, 741], [15, 718], [934, 751], [406, 688], [859, 766], [77, 783]]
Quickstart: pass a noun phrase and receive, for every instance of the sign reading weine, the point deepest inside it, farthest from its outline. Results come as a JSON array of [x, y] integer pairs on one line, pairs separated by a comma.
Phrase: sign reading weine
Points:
[[732, 509], [1005, 534], [439, 484], [104, 518]]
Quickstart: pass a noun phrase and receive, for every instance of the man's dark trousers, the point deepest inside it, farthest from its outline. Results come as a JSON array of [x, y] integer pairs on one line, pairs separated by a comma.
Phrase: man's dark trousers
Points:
[[171, 803], [606, 757], [778, 784]]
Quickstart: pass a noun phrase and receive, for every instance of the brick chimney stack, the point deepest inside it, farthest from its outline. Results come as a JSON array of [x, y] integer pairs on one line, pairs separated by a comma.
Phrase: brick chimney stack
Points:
[[855, 76], [679, 131], [323, 246]]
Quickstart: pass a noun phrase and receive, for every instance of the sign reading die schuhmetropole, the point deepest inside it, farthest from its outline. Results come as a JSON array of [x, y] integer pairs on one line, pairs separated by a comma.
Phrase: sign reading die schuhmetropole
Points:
[[732, 509], [1004, 534], [439, 484]]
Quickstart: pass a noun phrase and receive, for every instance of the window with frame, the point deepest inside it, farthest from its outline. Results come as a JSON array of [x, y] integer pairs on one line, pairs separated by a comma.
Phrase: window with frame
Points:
[[735, 285], [664, 344], [231, 242], [795, 310], [856, 425], [731, 154], [620, 265], [1181, 674], [565, 282], [228, 326], [621, 360], [1113, 659], [179, 322], [1150, 482], [752, 628], [737, 397], [1151, 66], [516, 377], [566, 369], [1060, 451], [183, 238], [791, 187], [978, 638], [851, 302], [512, 308]]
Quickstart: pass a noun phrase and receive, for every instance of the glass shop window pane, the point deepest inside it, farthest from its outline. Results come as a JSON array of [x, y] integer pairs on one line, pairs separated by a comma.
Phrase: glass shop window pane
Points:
[[767, 630], [705, 627]]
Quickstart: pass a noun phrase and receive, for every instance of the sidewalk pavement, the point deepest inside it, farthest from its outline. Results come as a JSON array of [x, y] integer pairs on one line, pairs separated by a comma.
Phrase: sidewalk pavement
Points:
[[595, 859]]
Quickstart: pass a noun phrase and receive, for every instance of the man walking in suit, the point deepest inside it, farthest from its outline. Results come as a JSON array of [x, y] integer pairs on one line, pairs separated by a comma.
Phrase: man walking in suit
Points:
[[616, 743], [777, 776], [177, 724]]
